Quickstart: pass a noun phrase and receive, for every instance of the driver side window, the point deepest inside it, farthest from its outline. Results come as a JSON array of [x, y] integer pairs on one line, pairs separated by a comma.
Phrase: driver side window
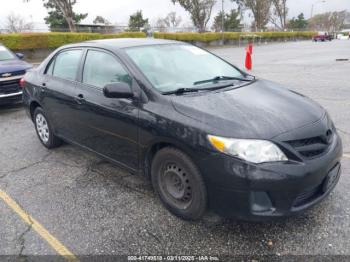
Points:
[[101, 68]]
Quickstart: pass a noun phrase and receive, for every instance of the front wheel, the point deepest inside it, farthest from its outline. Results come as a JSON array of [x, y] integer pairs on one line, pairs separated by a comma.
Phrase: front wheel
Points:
[[44, 130], [179, 184]]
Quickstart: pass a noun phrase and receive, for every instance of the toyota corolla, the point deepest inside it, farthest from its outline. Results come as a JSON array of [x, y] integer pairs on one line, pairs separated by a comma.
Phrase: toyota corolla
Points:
[[207, 134]]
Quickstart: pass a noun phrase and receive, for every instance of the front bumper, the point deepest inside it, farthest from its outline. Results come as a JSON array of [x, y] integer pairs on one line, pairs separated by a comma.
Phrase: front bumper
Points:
[[258, 192], [11, 97], [10, 90]]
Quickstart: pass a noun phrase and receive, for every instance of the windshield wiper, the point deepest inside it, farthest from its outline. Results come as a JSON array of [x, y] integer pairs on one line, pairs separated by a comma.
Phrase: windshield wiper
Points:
[[214, 80], [223, 78], [182, 90]]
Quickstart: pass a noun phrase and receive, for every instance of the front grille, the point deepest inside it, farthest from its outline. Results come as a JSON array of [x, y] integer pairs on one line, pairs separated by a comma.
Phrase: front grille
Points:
[[314, 146], [307, 196], [17, 73], [9, 87]]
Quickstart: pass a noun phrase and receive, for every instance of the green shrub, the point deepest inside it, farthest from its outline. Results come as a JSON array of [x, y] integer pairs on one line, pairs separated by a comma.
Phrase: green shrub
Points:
[[209, 37], [54, 40]]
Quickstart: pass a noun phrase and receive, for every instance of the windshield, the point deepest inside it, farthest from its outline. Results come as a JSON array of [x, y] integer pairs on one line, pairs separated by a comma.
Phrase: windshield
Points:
[[5, 54], [175, 66]]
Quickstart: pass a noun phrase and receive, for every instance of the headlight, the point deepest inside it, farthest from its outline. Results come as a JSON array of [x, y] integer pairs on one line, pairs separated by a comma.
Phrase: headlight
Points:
[[255, 151]]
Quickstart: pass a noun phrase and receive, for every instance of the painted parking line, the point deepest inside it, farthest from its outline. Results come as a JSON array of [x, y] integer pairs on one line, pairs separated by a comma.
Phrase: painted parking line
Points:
[[50, 239]]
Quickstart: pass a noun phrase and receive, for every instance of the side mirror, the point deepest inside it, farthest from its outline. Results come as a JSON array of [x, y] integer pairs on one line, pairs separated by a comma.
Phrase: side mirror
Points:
[[118, 90], [20, 55]]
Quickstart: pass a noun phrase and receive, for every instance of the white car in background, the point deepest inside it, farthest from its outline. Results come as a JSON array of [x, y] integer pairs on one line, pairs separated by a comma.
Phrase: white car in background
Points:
[[343, 37]]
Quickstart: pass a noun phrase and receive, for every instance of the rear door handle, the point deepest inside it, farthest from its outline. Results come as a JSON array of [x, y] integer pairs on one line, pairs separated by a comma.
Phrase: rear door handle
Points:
[[80, 99]]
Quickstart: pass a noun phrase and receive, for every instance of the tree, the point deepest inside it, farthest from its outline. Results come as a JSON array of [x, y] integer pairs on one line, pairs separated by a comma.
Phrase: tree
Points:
[[217, 24], [160, 25], [298, 24], [231, 21], [65, 8], [136, 21], [337, 20], [280, 12], [320, 22], [172, 20], [101, 20], [56, 19], [261, 10], [330, 21], [17, 24], [200, 11]]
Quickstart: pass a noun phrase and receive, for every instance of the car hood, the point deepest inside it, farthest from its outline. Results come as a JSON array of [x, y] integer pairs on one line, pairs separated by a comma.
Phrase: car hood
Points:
[[14, 65], [260, 110]]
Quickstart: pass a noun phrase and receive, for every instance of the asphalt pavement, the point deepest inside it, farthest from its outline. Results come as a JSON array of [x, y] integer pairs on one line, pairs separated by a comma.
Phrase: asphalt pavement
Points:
[[93, 208]]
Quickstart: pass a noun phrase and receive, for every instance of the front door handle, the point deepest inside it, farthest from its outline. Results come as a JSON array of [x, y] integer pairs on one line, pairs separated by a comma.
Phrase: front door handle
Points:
[[80, 99], [43, 87]]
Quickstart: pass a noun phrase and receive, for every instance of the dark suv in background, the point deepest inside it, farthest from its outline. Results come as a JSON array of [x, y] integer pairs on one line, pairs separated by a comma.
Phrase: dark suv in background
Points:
[[12, 69]]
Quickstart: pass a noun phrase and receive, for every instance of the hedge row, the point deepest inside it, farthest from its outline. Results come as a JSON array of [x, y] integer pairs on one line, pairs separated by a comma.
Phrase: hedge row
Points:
[[54, 40], [209, 37]]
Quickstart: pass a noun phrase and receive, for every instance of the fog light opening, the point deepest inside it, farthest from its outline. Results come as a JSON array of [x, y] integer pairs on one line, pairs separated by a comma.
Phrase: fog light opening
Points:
[[260, 202]]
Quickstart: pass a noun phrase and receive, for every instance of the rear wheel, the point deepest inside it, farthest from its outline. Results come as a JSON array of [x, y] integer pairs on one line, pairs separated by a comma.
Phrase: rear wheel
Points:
[[179, 184], [44, 130]]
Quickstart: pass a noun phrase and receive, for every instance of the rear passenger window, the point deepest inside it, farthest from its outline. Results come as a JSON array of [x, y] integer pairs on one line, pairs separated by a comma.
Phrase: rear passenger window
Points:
[[101, 68], [66, 64]]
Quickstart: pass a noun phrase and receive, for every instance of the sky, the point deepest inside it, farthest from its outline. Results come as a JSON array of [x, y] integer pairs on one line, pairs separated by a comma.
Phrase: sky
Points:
[[118, 11]]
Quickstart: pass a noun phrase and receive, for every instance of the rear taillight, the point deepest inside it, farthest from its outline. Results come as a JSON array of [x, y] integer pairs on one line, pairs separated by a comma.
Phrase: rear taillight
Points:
[[22, 82]]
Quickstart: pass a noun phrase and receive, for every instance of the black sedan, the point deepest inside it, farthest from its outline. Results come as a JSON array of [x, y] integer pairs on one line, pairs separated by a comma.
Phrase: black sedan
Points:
[[12, 69], [208, 135]]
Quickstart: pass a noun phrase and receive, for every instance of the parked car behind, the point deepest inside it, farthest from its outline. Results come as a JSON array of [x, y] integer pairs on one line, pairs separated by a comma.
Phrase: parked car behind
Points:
[[207, 134], [343, 36], [12, 69], [322, 36]]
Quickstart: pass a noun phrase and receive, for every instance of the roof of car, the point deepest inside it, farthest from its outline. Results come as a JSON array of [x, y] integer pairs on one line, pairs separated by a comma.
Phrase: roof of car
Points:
[[129, 42]]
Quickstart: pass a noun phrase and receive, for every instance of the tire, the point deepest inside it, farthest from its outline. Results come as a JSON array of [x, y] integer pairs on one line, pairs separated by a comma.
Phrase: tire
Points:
[[179, 184], [44, 130]]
